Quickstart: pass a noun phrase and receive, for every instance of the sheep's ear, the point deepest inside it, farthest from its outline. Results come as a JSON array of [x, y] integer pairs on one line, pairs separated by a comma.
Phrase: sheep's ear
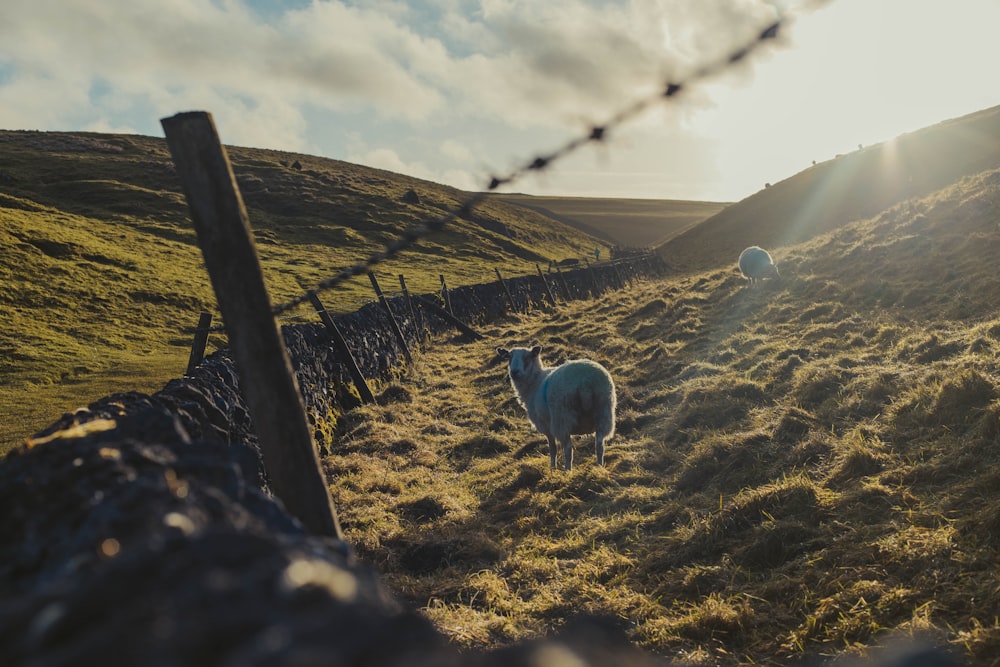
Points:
[[535, 351], [503, 353]]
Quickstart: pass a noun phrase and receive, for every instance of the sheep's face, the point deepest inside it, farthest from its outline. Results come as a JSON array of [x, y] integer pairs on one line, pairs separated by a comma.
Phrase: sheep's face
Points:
[[522, 361]]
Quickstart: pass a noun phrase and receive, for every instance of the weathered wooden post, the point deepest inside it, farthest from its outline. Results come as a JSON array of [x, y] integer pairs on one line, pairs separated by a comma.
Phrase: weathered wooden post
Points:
[[595, 291], [417, 324], [266, 376], [545, 282], [445, 296], [199, 343], [449, 318], [510, 297], [344, 352], [622, 276], [400, 338], [633, 275], [638, 266], [565, 285], [602, 277]]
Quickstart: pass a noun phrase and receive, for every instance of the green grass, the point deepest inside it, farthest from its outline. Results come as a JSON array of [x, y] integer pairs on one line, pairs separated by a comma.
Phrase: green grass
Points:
[[89, 304]]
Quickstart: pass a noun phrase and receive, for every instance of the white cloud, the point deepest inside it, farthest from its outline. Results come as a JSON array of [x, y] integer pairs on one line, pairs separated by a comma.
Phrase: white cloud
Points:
[[520, 62], [31, 101], [361, 55], [447, 89], [456, 151], [388, 159], [327, 54]]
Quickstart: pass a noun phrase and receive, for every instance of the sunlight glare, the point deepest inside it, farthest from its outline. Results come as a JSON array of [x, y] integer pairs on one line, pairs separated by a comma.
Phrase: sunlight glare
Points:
[[844, 82]]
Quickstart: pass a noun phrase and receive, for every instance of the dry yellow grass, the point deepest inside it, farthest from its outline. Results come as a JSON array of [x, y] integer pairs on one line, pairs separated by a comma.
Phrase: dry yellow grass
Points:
[[803, 469]]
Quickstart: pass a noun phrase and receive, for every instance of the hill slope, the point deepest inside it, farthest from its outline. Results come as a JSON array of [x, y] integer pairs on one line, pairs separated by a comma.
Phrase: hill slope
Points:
[[802, 469], [850, 187], [102, 274], [636, 223]]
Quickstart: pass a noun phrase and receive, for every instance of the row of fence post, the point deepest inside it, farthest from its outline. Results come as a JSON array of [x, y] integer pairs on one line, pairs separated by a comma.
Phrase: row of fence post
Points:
[[413, 307], [262, 362], [447, 313]]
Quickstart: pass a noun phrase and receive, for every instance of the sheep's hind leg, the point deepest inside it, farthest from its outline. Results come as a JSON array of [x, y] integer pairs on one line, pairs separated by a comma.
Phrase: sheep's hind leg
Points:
[[552, 452], [600, 448], [568, 452]]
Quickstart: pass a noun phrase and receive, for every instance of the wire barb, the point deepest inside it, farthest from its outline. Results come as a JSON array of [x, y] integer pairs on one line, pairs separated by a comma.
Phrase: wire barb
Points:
[[465, 210]]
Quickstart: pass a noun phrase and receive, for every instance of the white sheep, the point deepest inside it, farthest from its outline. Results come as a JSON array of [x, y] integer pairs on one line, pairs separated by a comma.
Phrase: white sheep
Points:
[[756, 264], [575, 398]]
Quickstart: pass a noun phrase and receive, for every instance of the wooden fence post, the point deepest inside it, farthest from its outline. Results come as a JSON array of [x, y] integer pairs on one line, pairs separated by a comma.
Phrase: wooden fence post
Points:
[[510, 297], [545, 282], [199, 343], [565, 285], [633, 272], [445, 296], [417, 324], [595, 291], [619, 282], [266, 376], [400, 338], [448, 317], [623, 275], [364, 391]]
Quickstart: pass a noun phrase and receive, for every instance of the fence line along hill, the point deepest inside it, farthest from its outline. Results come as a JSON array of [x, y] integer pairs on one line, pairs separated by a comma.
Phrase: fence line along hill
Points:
[[103, 277], [835, 191]]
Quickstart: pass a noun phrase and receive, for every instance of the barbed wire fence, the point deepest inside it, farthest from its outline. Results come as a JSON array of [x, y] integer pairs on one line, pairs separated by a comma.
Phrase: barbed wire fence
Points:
[[669, 91], [271, 397]]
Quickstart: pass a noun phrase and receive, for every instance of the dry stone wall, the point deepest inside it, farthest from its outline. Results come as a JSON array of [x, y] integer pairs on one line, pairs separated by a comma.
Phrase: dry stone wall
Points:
[[140, 529]]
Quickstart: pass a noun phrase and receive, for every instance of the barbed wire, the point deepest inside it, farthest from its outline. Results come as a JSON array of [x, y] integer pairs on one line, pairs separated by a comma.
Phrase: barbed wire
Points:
[[596, 134]]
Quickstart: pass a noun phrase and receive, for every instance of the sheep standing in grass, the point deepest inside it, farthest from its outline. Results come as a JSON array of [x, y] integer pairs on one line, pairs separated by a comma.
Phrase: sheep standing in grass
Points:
[[575, 398], [756, 264]]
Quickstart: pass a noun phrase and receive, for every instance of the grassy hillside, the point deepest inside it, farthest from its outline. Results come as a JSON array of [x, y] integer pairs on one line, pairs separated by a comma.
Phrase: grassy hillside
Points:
[[102, 274], [851, 187], [636, 223], [802, 469]]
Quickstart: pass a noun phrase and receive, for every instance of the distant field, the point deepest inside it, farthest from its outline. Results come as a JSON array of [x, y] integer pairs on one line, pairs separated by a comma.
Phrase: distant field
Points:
[[625, 222]]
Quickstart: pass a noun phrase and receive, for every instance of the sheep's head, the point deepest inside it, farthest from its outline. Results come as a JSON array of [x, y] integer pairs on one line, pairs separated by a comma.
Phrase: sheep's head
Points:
[[522, 361]]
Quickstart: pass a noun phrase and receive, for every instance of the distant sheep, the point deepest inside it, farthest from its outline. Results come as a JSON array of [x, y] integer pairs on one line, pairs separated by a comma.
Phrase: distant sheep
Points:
[[575, 398], [756, 264]]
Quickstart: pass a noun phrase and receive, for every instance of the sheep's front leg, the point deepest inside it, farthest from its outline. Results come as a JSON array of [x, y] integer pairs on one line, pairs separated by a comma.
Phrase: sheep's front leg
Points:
[[600, 448], [552, 451], [568, 452]]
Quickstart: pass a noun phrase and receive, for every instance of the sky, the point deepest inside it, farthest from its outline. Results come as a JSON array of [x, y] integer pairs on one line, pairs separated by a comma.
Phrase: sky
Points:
[[458, 91]]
